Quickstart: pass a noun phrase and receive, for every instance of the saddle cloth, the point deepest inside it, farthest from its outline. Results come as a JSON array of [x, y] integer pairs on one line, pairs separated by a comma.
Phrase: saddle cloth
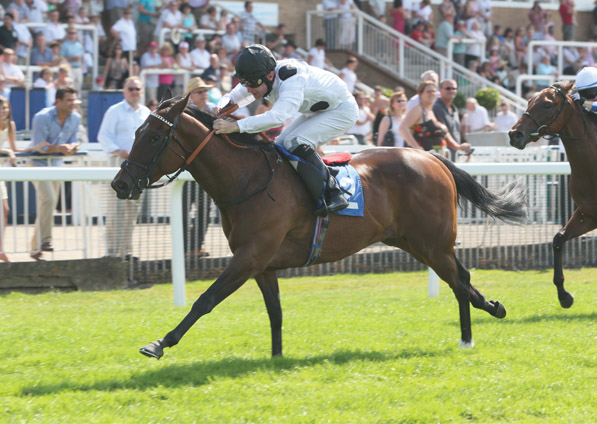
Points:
[[348, 179]]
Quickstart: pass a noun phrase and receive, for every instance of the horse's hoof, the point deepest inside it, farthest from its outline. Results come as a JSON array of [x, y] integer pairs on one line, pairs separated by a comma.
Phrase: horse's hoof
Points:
[[466, 345], [499, 311], [153, 350], [566, 300]]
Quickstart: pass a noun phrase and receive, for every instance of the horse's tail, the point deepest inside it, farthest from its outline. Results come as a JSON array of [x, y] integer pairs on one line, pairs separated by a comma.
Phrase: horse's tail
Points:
[[507, 204]]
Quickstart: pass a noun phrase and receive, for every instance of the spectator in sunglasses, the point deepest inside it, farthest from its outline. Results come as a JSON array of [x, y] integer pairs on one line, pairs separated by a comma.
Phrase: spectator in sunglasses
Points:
[[116, 135]]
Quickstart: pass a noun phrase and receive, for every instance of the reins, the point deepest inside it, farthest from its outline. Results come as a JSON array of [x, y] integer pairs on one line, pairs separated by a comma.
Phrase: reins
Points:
[[145, 181]]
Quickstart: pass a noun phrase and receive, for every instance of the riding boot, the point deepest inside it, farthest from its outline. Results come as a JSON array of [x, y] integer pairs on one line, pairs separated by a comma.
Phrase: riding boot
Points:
[[316, 176]]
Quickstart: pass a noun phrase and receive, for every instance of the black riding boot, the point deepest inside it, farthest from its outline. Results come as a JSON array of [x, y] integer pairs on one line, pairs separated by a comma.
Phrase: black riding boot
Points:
[[314, 178]]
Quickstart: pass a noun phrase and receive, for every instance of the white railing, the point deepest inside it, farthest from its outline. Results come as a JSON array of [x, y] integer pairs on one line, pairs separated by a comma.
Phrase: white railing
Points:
[[393, 50], [165, 71], [453, 41], [560, 55], [520, 79], [103, 174], [165, 33], [80, 27]]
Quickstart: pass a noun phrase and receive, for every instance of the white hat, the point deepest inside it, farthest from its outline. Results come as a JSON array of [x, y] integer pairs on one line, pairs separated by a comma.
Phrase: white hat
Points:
[[586, 78], [183, 45]]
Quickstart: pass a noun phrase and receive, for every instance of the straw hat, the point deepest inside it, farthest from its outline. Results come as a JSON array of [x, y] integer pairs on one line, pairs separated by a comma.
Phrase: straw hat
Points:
[[195, 83]]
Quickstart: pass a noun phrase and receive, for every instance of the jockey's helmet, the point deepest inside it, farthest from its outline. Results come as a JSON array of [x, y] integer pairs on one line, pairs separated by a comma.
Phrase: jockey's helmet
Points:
[[253, 63], [586, 82]]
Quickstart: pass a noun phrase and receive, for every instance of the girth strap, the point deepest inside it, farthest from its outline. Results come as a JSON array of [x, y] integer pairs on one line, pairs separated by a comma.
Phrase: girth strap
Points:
[[321, 228]]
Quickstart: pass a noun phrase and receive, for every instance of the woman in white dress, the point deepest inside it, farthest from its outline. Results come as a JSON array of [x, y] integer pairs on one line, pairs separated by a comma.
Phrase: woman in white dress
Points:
[[391, 122], [8, 133]]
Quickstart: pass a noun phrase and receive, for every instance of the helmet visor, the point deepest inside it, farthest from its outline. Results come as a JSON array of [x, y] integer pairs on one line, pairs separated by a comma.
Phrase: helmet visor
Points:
[[251, 82]]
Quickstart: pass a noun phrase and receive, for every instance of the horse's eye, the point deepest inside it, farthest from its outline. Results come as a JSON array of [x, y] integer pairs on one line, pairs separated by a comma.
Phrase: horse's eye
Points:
[[548, 105], [155, 138]]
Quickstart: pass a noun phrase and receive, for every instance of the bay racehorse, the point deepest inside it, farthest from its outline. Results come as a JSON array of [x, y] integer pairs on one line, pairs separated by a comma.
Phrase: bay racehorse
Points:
[[553, 112], [267, 214]]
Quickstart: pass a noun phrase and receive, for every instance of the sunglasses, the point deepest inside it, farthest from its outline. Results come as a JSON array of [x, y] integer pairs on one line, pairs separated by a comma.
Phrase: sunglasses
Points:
[[133, 89], [253, 83], [451, 88]]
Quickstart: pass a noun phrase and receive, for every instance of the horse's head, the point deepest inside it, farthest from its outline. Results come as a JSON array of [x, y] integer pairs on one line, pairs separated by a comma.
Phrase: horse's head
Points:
[[543, 115], [156, 151]]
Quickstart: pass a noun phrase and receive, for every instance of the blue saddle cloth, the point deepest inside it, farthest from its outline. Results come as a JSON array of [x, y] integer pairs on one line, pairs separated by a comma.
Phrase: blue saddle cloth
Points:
[[348, 179]]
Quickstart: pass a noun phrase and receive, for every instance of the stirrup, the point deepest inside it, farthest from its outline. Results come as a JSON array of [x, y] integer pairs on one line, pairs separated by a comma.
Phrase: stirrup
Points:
[[337, 203]]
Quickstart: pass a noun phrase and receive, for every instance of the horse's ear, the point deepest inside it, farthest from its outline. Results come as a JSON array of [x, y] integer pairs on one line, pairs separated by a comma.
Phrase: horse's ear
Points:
[[166, 95], [178, 107]]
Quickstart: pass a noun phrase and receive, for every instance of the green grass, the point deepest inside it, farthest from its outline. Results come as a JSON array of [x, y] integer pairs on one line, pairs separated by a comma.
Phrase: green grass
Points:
[[358, 349]]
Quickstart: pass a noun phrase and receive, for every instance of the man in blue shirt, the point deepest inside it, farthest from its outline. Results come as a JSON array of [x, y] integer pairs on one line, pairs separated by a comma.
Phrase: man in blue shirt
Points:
[[72, 50], [54, 130], [145, 27], [41, 53]]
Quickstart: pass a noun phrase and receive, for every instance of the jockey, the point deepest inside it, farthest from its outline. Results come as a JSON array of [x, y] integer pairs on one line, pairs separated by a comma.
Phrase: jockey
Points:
[[586, 87], [319, 101]]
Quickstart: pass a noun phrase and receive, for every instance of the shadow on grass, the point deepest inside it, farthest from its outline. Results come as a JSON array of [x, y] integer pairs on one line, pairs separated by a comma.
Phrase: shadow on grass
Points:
[[563, 316], [201, 373]]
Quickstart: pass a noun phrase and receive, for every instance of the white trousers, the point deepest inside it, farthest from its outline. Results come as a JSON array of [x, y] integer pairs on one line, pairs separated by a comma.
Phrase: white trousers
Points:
[[318, 128], [121, 217]]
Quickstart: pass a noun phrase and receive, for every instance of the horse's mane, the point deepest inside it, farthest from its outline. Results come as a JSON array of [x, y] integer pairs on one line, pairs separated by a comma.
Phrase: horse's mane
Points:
[[207, 119], [564, 85]]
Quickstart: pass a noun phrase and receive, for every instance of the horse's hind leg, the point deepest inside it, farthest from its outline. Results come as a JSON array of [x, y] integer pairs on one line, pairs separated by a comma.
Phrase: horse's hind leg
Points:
[[446, 267], [493, 307], [578, 225], [268, 283]]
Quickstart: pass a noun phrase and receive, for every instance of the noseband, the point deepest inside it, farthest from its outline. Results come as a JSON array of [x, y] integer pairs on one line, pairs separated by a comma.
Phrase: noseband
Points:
[[543, 130]]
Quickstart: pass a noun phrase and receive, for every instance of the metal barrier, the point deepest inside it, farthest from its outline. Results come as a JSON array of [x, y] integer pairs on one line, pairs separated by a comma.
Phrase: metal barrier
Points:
[[82, 27], [482, 243], [165, 32], [560, 56], [520, 79], [393, 50], [174, 71]]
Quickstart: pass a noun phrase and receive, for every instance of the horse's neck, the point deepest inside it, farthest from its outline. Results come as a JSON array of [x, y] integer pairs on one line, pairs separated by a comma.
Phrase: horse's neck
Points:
[[580, 143], [227, 171]]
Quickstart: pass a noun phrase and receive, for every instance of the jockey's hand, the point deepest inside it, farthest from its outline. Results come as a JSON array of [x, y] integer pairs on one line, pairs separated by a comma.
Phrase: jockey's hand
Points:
[[465, 147], [223, 126]]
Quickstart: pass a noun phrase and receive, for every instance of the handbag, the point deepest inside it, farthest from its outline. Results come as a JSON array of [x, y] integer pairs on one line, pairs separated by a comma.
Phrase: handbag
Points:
[[388, 138]]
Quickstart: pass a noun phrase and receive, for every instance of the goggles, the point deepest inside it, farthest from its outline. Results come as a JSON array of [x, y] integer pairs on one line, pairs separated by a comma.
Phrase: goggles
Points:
[[251, 82]]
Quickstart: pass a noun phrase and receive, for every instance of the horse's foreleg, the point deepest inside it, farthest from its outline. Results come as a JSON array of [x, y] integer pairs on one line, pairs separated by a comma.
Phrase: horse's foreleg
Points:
[[268, 283], [578, 225], [234, 276]]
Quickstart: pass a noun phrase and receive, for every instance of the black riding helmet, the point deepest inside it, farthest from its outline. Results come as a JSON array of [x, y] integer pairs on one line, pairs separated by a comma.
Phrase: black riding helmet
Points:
[[253, 63]]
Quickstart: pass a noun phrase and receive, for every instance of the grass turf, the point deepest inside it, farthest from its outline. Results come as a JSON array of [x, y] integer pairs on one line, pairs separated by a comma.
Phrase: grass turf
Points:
[[358, 349]]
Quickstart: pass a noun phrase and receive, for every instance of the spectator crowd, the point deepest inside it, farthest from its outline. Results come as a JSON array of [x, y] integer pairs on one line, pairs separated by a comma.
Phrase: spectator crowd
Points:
[[161, 37]]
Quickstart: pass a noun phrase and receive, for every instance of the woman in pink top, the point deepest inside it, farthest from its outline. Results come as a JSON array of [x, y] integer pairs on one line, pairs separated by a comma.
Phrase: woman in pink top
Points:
[[398, 17], [537, 17], [166, 81]]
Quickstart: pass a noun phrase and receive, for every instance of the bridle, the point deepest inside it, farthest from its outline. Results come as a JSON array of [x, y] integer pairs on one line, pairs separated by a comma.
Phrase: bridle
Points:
[[543, 130], [144, 182]]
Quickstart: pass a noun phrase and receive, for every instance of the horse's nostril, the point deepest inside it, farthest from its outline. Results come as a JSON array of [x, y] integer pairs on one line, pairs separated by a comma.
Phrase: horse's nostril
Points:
[[119, 186]]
